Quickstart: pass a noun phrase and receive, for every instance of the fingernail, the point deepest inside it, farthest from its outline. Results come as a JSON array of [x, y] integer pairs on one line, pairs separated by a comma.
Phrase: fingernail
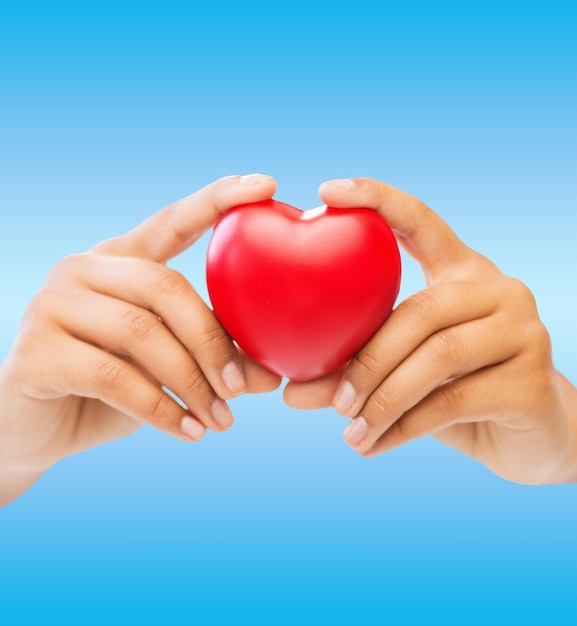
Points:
[[341, 183], [232, 378], [356, 431], [191, 428], [345, 398], [221, 413], [253, 179]]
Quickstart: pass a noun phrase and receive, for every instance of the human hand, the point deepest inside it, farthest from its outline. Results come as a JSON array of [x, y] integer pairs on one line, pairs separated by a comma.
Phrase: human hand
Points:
[[109, 329], [466, 360]]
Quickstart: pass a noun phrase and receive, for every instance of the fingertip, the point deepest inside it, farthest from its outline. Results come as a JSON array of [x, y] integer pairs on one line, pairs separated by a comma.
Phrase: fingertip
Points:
[[312, 394], [331, 191], [345, 399], [251, 180], [353, 192], [275, 382], [342, 193], [258, 378], [342, 184], [231, 191], [234, 379], [292, 399], [192, 429], [221, 415], [286, 395], [356, 432]]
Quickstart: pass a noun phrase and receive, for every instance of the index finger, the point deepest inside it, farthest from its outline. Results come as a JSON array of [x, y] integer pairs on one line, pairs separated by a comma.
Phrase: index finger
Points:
[[425, 235], [173, 229]]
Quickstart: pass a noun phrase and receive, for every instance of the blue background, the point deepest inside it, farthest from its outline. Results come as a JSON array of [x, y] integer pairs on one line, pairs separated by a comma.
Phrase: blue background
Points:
[[110, 111]]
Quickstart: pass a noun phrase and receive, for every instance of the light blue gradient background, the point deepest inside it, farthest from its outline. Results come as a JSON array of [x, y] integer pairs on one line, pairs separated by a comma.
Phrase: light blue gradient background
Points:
[[110, 111]]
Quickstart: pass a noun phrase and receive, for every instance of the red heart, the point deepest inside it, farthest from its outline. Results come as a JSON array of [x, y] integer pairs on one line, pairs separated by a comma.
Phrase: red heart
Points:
[[302, 291]]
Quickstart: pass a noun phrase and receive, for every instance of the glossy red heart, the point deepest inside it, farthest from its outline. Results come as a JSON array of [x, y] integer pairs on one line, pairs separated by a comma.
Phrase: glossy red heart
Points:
[[302, 291]]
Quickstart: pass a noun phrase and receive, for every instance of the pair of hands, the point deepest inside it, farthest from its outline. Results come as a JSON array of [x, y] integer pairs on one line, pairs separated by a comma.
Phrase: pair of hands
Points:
[[466, 360]]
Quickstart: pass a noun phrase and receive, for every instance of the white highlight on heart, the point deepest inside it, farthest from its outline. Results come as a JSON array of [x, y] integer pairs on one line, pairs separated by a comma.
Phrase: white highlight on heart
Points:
[[311, 214]]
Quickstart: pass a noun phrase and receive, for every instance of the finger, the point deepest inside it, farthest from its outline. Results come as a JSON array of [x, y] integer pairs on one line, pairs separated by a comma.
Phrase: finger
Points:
[[167, 293], [176, 227], [458, 407], [426, 236], [409, 325], [258, 378], [89, 372], [448, 354], [125, 329], [313, 394]]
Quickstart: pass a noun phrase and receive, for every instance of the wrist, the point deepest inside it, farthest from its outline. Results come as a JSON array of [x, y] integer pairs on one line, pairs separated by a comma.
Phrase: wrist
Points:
[[20, 468], [567, 469], [14, 481]]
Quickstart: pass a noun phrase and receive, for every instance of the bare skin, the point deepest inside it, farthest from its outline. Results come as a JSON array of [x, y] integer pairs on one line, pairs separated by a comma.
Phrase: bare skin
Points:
[[466, 360], [108, 330]]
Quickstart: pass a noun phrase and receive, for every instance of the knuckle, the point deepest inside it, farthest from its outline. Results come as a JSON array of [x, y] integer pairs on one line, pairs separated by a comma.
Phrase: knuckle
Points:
[[25, 365], [536, 353], [33, 341], [520, 299], [140, 324], [178, 233], [39, 307], [401, 430], [382, 403], [218, 192], [518, 291], [365, 365], [538, 338], [169, 282], [215, 339], [446, 346], [162, 409], [66, 272], [110, 374], [195, 381], [169, 226], [114, 246], [422, 306], [450, 398], [68, 265]]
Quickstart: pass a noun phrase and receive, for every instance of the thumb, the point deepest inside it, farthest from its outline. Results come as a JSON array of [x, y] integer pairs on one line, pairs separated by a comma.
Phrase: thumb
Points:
[[176, 227], [423, 234]]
